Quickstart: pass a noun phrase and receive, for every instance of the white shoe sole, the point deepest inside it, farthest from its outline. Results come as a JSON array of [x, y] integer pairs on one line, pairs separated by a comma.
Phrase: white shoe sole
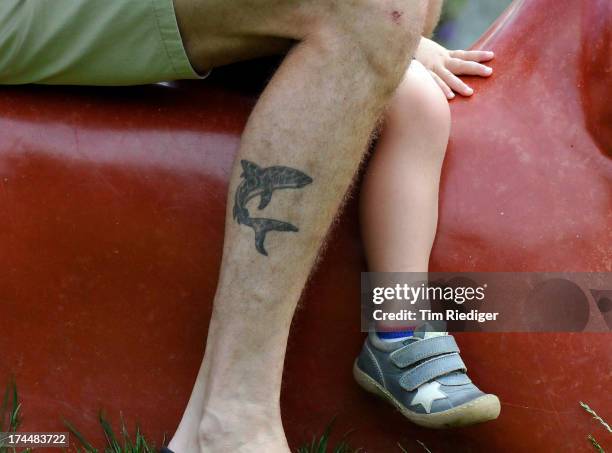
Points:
[[482, 409]]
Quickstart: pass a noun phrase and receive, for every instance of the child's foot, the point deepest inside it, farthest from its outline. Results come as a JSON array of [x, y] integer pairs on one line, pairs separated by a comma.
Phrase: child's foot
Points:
[[425, 379]]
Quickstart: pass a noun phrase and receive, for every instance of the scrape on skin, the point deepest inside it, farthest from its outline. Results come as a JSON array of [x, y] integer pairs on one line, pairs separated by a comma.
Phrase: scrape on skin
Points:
[[396, 16]]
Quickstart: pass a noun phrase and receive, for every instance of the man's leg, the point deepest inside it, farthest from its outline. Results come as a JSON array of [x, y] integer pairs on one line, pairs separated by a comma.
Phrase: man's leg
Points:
[[314, 120]]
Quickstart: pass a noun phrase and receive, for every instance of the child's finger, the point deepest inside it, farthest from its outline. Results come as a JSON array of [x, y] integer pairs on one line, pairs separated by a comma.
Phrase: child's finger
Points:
[[462, 67], [455, 82], [472, 55], [443, 86]]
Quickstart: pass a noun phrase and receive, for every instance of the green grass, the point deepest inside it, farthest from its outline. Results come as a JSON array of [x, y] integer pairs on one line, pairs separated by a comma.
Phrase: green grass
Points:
[[321, 444], [598, 448], [10, 415], [595, 444], [596, 417], [121, 443], [124, 442]]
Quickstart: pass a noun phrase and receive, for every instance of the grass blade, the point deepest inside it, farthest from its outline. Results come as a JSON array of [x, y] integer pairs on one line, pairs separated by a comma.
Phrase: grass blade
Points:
[[86, 445], [595, 416], [596, 445]]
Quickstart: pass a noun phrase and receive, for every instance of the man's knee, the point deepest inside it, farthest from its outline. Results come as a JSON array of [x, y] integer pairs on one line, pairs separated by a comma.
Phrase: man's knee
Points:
[[386, 31]]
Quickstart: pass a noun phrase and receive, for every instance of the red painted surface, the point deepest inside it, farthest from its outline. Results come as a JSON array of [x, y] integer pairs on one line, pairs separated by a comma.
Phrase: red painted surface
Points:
[[112, 204]]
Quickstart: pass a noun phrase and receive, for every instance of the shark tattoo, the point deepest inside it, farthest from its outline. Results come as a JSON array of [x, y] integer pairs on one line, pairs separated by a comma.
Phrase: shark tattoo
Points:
[[262, 182]]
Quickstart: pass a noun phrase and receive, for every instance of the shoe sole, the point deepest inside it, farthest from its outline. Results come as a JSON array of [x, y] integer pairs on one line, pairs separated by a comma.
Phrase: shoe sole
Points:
[[482, 409]]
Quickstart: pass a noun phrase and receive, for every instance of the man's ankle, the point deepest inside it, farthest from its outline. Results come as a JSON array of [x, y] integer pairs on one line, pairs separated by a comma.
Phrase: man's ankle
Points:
[[231, 425]]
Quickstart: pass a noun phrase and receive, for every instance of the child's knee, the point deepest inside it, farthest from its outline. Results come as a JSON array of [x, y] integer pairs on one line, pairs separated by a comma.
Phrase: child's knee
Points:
[[419, 105]]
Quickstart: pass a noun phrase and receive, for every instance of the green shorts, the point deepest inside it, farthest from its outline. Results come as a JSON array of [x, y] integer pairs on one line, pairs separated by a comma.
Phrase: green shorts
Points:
[[91, 42]]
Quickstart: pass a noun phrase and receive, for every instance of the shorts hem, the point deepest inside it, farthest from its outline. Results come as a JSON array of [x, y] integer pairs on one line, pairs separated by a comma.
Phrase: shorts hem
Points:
[[173, 42]]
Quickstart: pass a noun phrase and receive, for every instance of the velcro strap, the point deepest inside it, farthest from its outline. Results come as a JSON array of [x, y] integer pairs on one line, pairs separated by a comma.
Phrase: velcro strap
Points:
[[423, 349], [431, 369]]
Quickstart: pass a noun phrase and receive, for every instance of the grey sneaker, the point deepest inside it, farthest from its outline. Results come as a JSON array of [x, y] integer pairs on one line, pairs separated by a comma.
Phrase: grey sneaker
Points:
[[425, 379]]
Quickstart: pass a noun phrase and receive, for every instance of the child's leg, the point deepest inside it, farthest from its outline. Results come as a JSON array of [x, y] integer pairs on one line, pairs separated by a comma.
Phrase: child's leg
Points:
[[399, 196], [421, 374]]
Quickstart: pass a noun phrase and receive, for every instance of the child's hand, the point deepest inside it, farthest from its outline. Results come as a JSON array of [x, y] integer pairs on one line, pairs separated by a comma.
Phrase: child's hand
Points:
[[445, 65]]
